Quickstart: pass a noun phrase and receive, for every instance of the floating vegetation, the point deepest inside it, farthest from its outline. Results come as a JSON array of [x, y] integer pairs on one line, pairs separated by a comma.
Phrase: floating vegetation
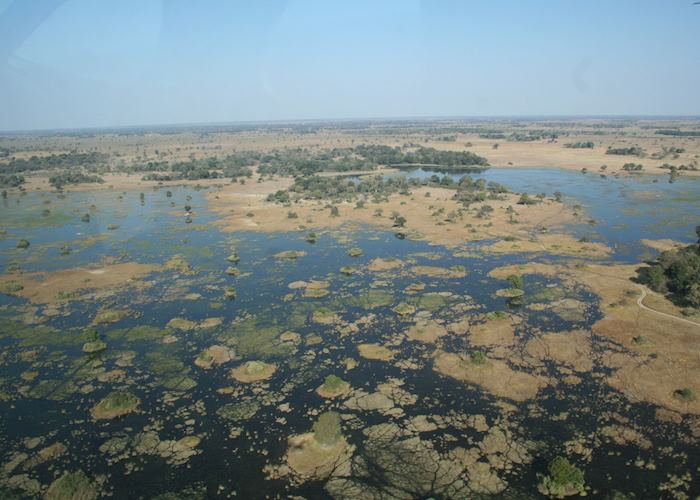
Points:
[[23, 244], [179, 263], [375, 351], [73, 485], [324, 316], [213, 356], [355, 252], [110, 316], [253, 371], [115, 404], [290, 254], [371, 299], [333, 386], [404, 309], [238, 412]]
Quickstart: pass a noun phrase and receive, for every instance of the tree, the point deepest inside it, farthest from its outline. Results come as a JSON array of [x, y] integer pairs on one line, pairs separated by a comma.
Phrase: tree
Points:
[[511, 212], [656, 278]]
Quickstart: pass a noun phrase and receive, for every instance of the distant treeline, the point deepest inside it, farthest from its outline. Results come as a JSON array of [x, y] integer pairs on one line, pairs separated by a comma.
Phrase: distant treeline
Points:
[[91, 161], [60, 180], [679, 133], [303, 162], [339, 189]]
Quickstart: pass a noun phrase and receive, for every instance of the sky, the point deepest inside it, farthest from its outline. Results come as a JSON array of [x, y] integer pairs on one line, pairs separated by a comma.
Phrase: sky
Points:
[[102, 63]]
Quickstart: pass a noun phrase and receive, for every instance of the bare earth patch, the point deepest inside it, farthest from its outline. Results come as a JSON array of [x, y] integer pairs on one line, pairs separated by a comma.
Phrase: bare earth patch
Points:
[[494, 376], [78, 283]]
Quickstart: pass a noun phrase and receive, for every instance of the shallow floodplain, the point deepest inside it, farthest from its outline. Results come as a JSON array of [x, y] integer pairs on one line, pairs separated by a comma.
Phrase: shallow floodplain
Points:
[[452, 384]]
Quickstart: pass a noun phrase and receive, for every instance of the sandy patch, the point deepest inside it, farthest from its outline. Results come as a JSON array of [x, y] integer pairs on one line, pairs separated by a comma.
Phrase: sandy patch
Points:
[[78, 283]]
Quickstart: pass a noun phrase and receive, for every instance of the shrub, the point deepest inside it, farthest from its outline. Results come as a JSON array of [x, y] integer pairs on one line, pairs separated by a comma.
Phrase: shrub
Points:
[[564, 479], [478, 358], [686, 394], [516, 281]]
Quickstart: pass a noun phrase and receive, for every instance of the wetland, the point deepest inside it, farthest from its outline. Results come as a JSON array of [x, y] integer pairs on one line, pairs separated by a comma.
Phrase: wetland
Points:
[[392, 339]]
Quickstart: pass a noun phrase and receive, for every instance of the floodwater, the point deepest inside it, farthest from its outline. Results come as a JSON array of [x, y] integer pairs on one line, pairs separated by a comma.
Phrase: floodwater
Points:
[[48, 386]]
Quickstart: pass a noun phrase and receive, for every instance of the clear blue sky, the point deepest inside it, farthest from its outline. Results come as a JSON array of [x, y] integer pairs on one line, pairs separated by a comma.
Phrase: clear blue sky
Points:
[[81, 63]]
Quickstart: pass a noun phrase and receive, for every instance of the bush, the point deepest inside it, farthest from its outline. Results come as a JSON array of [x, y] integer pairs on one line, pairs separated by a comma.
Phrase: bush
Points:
[[686, 394], [516, 281], [564, 479], [478, 358], [632, 151], [526, 200]]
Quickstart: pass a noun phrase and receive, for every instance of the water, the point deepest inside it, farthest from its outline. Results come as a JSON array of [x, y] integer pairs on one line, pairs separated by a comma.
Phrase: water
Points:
[[48, 386], [626, 209]]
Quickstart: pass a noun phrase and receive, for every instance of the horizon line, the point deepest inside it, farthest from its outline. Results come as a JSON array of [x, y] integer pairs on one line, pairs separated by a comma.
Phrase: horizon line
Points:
[[301, 121]]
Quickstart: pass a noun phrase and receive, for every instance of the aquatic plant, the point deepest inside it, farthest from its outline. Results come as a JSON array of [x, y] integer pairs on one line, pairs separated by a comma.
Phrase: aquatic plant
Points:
[[232, 271], [109, 316], [326, 429], [85, 218], [496, 315], [253, 371], [347, 270], [432, 301], [290, 254], [238, 412], [115, 404], [253, 341], [323, 315], [229, 293], [23, 243], [310, 237], [71, 486], [355, 252], [403, 309], [233, 258], [93, 343], [333, 386], [563, 479], [516, 281], [371, 299]]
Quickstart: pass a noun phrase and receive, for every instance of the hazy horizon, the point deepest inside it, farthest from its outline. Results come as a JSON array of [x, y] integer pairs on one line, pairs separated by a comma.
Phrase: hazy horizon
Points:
[[75, 64]]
